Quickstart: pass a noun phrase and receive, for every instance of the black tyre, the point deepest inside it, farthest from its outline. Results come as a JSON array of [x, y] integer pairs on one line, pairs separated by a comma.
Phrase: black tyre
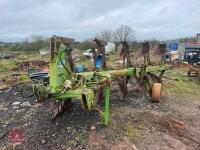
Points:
[[27, 90]]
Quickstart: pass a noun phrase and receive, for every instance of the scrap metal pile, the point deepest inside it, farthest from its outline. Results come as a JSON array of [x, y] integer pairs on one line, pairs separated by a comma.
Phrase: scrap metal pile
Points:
[[23, 66], [6, 56], [193, 70], [91, 87]]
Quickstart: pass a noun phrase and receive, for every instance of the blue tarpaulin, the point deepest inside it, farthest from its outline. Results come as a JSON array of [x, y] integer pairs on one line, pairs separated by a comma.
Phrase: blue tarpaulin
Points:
[[172, 46]]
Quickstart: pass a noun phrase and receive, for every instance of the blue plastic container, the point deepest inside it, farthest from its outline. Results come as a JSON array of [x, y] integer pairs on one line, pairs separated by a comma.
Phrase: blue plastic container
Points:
[[98, 62], [79, 68]]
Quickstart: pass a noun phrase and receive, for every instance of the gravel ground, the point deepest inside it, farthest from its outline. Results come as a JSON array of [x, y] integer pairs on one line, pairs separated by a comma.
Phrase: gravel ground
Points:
[[136, 123]]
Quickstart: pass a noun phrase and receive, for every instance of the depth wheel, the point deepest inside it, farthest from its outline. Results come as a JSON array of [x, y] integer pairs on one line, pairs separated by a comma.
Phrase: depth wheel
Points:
[[156, 92]]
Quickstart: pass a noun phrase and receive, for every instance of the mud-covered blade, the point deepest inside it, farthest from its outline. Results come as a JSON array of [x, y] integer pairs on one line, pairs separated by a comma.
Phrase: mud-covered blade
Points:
[[159, 50], [143, 50]]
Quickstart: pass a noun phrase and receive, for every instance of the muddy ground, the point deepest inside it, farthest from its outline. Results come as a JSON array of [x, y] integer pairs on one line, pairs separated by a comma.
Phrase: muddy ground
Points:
[[136, 123]]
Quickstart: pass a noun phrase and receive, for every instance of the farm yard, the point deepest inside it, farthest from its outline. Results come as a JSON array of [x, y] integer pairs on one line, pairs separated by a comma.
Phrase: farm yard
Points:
[[136, 122], [99, 75]]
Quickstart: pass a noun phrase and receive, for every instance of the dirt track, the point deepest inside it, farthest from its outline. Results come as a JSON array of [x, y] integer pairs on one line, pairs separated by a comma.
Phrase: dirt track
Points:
[[136, 123]]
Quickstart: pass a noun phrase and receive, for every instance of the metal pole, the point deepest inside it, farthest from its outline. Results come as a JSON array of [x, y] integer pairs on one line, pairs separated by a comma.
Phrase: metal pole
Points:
[[106, 113]]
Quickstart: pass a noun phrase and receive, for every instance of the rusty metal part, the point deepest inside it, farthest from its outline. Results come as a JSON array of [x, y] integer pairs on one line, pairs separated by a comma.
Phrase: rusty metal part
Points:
[[154, 78], [154, 84], [177, 124], [192, 70], [156, 92], [100, 45], [94, 55], [69, 59], [65, 40], [144, 49], [59, 107], [25, 65], [68, 42], [97, 108], [98, 94], [160, 49], [56, 41], [122, 83], [101, 50], [125, 52], [100, 42]]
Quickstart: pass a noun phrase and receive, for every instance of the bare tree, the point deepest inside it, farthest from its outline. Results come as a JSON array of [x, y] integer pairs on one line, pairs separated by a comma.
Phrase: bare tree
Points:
[[35, 42], [106, 35], [123, 33]]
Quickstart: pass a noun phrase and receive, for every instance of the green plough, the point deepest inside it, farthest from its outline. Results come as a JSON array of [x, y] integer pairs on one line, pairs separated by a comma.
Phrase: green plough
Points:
[[93, 86]]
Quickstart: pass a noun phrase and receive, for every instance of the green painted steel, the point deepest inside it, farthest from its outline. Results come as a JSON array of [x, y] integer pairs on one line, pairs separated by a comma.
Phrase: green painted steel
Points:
[[107, 102], [65, 84]]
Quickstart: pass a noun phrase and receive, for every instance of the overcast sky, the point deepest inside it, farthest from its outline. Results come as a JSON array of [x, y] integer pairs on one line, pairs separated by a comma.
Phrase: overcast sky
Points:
[[81, 19]]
